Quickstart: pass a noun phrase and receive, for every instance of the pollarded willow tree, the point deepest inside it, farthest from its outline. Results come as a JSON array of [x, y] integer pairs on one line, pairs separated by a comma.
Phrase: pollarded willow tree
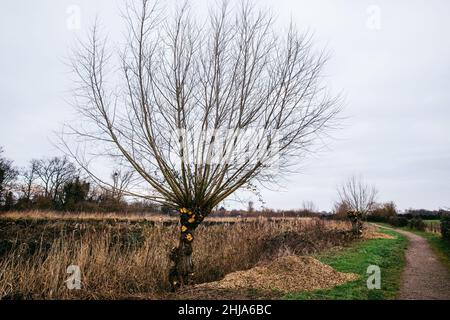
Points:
[[359, 197], [199, 111]]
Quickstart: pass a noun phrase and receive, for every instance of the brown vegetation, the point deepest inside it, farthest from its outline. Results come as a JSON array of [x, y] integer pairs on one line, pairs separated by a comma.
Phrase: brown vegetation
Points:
[[370, 232], [128, 258]]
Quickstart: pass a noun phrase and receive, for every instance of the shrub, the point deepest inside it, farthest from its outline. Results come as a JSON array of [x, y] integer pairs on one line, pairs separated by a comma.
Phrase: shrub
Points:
[[398, 221], [445, 226], [417, 224], [43, 203], [340, 210], [383, 212], [75, 193]]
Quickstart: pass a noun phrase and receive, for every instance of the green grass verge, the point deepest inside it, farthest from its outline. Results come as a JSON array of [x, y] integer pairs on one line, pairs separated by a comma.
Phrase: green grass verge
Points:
[[388, 254]]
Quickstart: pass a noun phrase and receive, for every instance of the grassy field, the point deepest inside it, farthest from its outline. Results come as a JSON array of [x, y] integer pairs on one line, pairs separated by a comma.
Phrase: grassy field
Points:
[[388, 254], [114, 216], [128, 258]]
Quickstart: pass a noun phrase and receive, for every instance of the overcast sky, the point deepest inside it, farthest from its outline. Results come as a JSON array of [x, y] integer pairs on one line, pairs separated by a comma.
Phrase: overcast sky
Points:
[[390, 59]]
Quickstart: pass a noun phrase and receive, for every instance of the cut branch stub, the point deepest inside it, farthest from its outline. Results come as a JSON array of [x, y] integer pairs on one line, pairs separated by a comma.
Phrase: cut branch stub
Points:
[[190, 220]]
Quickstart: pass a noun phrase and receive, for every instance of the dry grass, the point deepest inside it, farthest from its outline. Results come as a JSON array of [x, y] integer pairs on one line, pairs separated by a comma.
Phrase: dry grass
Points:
[[129, 259], [89, 216], [153, 217], [370, 232]]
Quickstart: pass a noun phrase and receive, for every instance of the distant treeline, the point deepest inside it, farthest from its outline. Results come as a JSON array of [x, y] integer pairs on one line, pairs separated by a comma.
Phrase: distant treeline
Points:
[[424, 214], [410, 214], [57, 184], [383, 212], [265, 213]]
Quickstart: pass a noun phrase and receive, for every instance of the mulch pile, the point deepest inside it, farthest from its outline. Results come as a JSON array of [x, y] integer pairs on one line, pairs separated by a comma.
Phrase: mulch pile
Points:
[[285, 274]]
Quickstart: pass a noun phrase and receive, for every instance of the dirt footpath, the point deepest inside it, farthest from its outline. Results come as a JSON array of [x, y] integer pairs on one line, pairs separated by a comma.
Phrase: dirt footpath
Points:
[[424, 277]]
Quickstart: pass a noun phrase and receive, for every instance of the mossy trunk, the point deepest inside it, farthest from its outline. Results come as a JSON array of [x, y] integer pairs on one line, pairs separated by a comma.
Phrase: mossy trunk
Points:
[[357, 223], [357, 227], [182, 271]]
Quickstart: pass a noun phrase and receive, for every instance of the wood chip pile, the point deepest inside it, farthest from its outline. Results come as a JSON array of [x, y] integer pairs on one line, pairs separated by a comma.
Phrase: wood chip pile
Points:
[[285, 274]]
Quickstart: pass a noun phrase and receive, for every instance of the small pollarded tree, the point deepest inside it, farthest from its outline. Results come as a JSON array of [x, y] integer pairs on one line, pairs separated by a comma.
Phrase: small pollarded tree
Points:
[[199, 110], [359, 197]]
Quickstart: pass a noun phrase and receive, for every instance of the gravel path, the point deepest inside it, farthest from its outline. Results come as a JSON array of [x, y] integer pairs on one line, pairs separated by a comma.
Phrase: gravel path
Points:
[[424, 277]]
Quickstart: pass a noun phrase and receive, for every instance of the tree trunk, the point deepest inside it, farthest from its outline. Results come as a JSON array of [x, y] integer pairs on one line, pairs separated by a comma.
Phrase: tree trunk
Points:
[[182, 271], [357, 226], [354, 227]]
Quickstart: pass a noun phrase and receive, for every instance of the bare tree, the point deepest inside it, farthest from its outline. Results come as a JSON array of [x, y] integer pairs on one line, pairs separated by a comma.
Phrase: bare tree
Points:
[[8, 174], [199, 111], [309, 206], [28, 177], [121, 182], [359, 197], [52, 174]]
